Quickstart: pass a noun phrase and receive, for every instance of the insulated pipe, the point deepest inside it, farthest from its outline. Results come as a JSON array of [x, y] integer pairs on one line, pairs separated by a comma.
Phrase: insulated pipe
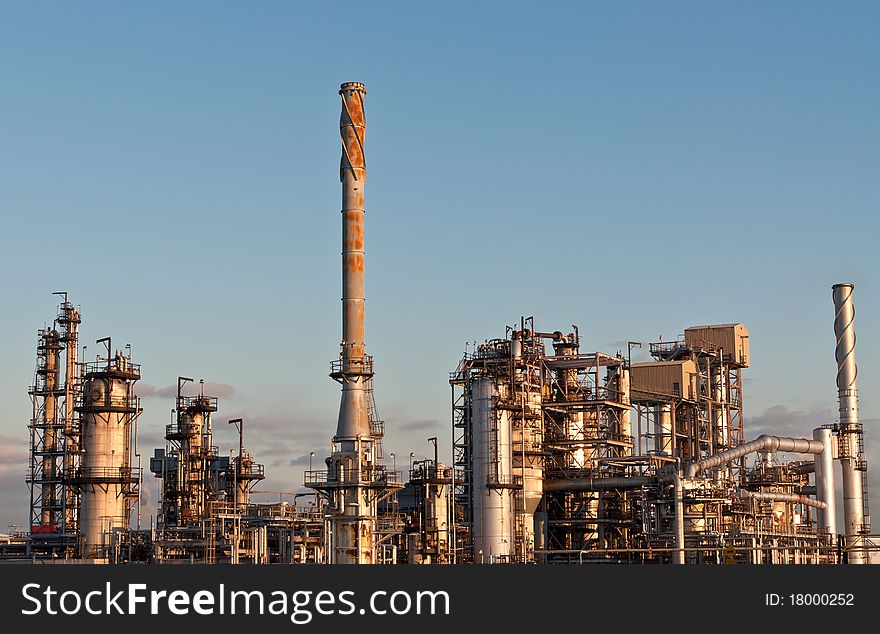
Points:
[[850, 431], [784, 497], [824, 465], [763, 443], [597, 484], [809, 467]]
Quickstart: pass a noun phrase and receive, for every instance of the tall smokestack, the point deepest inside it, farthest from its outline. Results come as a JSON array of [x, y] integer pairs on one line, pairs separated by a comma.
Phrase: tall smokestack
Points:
[[356, 367], [354, 480], [850, 441], [353, 475]]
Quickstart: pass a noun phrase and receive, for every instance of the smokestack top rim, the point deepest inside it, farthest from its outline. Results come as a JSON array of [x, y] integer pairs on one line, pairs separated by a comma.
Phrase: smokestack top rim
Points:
[[843, 285], [352, 85]]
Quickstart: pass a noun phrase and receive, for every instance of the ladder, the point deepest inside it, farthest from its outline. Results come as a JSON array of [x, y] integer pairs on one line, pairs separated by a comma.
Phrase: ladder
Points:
[[862, 465]]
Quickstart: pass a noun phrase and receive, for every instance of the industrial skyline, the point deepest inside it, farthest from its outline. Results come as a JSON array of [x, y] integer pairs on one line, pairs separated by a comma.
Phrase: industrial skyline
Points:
[[218, 269]]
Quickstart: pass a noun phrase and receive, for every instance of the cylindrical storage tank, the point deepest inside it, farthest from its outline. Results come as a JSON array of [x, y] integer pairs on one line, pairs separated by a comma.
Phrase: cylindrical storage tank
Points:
[[516, 349], [437, 513], [826, 519], [493, 508]]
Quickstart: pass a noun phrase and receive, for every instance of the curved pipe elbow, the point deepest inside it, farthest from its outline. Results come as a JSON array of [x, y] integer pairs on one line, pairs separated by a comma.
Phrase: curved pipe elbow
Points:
[[763, 443]]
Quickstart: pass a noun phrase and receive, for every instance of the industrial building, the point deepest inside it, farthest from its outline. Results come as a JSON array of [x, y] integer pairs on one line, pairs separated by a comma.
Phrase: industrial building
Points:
[[578, 457], [559, 454]]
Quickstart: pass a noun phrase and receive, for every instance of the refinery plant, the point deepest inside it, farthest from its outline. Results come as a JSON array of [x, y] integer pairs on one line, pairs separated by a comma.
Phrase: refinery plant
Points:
[[559, 454]]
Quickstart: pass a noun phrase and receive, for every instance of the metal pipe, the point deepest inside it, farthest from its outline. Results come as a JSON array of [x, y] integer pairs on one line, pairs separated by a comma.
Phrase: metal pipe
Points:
[[763, 443], [597, 484], [852, 462], [783, 497], [678, 555], [808, 467], [824, 465], [663, 429]]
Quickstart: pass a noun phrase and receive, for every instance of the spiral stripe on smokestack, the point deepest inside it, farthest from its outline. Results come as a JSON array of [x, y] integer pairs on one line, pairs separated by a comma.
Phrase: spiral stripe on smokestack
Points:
[[845, 353]]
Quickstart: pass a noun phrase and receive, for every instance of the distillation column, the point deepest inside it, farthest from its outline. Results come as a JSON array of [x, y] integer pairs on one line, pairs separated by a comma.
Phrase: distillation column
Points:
[[106, 478], [52, 440], [625, 430], [69, 320], [850, 441], [352, 512], [492, 463]]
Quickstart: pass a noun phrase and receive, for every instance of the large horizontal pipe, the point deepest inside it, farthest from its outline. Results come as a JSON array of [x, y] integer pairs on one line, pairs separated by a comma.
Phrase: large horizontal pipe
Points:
[[597, 484], [762, 444], [783, 497], [805, 467]]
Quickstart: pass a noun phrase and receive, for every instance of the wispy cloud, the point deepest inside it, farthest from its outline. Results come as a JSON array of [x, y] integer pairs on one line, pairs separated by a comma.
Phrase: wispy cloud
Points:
[[13, 451], [302, 460], [417, 425], [220, 390], [13, 489], [781, 421], [638, 354]]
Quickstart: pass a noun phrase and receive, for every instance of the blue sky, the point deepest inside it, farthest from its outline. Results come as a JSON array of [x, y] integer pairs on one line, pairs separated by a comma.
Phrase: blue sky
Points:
[[631, 167]]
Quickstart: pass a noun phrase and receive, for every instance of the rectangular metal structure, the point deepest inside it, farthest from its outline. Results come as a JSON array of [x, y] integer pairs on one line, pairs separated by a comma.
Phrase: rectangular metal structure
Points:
[[732, 339], [668, 378]]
